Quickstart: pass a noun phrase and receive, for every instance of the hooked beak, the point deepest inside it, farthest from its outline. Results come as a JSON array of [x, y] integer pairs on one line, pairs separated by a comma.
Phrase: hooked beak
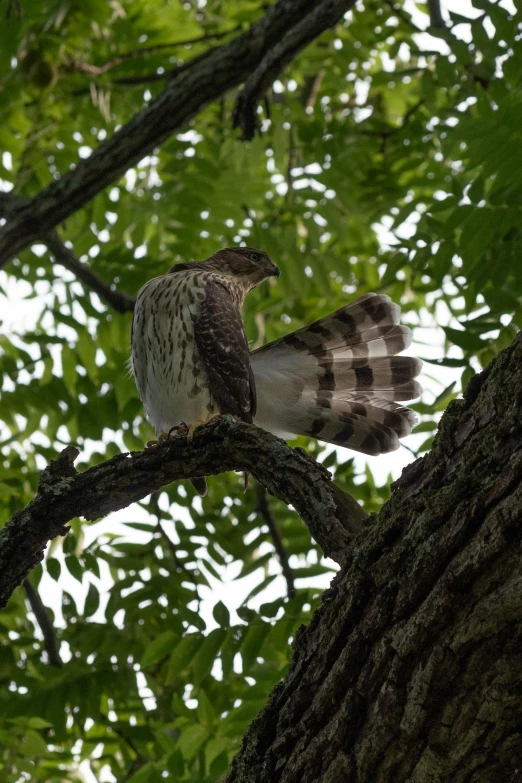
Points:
[[275, 272]]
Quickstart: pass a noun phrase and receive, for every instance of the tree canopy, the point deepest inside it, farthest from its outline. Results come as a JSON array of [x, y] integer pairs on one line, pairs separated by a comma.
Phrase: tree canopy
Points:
[[362, 154]]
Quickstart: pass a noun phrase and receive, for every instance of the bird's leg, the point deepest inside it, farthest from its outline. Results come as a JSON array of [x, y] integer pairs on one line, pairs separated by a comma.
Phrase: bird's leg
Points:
[[204, 418]]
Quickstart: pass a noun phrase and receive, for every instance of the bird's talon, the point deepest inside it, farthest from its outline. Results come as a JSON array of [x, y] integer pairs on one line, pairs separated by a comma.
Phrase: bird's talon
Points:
[[179, 429]]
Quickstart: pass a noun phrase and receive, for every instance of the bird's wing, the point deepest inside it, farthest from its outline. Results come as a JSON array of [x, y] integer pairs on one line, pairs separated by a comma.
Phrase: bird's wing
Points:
[[339, 379], [222, 346]]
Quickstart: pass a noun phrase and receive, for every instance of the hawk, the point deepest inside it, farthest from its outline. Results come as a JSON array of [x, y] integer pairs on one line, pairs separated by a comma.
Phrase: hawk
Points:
[[338, 380]]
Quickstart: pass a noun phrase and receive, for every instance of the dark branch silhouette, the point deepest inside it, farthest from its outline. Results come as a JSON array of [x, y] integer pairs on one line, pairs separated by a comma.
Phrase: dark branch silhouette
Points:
[[436, 18], [121, 302], [205, 79], [43, 618], [264, 510], [321, 18], [227, 444]]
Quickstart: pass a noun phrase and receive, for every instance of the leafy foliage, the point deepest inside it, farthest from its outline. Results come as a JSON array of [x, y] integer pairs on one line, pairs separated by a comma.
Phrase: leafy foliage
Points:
[[389, 161]]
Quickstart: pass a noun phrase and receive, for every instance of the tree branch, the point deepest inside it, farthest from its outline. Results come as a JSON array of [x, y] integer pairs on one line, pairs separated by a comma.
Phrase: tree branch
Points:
[[223, 445], [179, 565], [321, 18], [263, 509], [41, 613], [436, 18], [121, 302], [204, 81], [410, 670], [311, 87]]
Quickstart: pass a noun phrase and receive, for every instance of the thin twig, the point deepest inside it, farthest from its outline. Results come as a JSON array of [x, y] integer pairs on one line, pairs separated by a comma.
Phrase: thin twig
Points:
[[41, 613], [168, 75], [398, 11], [135, 767], [292, 163], [311, 87], [263, 509], [129, 742], [123, 303], [97, 70], [180, 566], [385, 134]]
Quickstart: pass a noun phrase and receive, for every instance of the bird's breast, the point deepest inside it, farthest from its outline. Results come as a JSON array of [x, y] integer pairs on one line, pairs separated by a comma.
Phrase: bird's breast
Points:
[[170, 378]]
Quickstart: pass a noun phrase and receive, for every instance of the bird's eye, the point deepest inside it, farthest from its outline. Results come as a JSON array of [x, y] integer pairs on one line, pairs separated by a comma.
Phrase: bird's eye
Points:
[[253, 256]]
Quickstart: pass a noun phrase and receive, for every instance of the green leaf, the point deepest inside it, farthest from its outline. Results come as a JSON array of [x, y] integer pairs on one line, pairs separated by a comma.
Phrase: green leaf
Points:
[[206, 655], [464, 339], [191, 740], [53, 568], [33, 745], [253, 641], [221, 614], [74, 567], [158, 649], [92, 601], [205, 711], [183, 655], [144, 774]]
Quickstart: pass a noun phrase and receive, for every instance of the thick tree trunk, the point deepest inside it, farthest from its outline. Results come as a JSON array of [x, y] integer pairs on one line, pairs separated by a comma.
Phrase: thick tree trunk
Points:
[[411, 670]]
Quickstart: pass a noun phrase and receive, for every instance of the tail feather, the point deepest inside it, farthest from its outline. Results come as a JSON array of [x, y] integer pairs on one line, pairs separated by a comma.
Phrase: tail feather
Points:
[[338, 379], [350, 430]]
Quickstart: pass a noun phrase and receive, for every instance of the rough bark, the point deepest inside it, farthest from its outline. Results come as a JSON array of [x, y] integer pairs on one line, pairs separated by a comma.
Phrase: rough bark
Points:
[[227, 444], [411, 670], [204, 80]]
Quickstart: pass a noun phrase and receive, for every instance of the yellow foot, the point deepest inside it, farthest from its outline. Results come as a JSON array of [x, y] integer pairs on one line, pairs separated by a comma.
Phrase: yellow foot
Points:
[[200, 422]]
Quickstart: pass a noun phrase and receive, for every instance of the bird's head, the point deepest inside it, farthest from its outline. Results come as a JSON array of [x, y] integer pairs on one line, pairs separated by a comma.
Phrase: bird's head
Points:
[[246, 264]]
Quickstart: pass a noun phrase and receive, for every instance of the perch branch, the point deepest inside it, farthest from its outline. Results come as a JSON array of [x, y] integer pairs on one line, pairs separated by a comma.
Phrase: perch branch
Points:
[[227, 444]]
